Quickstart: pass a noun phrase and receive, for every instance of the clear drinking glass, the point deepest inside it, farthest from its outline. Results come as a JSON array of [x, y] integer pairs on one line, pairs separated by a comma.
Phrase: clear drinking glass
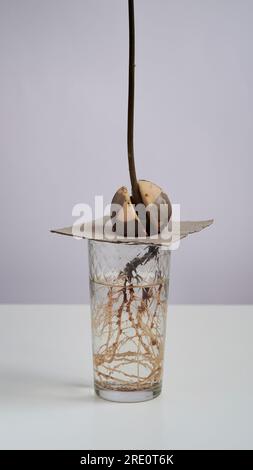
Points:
[[129, 292]]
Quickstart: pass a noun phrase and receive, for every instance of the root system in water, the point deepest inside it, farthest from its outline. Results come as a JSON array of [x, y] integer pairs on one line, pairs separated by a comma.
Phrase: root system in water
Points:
[[128, 324]]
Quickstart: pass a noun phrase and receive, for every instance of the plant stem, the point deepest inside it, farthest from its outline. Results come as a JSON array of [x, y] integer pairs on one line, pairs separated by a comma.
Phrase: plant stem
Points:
[[130, 121]]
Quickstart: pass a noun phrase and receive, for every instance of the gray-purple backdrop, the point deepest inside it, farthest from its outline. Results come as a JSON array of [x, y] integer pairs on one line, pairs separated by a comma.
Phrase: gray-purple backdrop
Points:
[[63, 105]]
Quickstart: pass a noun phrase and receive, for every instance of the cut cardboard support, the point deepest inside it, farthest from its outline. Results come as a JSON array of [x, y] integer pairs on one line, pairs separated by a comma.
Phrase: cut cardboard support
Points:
[[178, 230]]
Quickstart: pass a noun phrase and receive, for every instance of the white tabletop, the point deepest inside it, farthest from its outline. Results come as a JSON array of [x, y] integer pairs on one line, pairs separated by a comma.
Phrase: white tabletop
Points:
[[47, 399]]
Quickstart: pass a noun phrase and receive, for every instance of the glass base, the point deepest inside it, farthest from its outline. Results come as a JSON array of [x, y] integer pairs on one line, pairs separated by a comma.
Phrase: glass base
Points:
[[128, 397]]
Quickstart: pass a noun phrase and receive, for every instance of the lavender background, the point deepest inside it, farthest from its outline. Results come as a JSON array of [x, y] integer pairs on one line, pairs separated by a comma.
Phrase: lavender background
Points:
[[63, 105]]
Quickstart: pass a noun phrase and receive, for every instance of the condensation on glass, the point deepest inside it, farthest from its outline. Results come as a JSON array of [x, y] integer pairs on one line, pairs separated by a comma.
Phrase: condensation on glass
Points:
[[129, 293]]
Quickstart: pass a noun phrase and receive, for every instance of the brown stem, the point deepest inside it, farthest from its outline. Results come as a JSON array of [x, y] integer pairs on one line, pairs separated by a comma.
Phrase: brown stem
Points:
[[130, 121]]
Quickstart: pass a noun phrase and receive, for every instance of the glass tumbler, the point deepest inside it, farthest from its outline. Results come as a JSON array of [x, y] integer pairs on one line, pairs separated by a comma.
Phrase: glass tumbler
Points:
[[129, 294]]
